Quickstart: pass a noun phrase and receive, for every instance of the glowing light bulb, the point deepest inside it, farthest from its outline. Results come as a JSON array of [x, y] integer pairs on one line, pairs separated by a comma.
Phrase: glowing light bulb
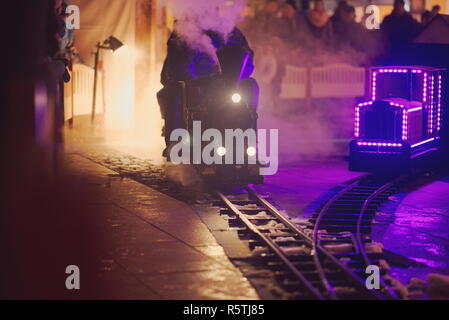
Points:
[[251, 151], [221, 151], [236, 98]]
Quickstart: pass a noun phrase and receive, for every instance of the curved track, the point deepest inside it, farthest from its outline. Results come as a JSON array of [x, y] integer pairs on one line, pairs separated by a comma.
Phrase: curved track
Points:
[[311, 267], [343, 227]]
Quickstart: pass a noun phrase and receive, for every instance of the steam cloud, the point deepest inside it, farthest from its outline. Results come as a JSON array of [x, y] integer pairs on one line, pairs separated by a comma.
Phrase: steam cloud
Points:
[[318, 132], [195, 16], [321, 131]]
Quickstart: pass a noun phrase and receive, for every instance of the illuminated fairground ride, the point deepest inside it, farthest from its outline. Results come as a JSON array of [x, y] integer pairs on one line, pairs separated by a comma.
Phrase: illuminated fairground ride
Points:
[[401, 123]]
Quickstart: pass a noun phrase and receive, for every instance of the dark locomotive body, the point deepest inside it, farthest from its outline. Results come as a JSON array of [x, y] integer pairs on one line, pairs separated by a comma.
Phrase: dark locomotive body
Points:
[[400, 126], [225, 101]]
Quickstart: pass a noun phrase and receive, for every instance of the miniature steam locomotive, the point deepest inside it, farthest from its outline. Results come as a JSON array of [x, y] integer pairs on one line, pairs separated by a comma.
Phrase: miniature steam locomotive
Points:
[[400, 125], [225, 103]]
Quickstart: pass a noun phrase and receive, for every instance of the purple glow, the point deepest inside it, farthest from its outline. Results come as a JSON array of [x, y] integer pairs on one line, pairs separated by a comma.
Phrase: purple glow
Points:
[[379, 144], [430, 116], [439, 104], [404, 125], [414, 109], [396, 105], [357, 116], [395, 70], [431, 103], [422, 142], [425, 88], [365, 104], [357, 121], [40, 110]]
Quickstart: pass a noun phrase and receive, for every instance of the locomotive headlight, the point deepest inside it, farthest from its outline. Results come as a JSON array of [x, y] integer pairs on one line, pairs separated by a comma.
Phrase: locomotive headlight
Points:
[[251, 151], [236, 98], [221, 151]]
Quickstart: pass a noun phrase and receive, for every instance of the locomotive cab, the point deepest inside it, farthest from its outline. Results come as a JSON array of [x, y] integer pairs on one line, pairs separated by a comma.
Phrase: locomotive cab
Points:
[[400, 126]]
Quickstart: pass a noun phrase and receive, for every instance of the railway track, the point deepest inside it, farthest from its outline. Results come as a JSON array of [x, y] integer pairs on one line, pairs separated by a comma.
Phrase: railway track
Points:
[[327, 258], [343, 227]]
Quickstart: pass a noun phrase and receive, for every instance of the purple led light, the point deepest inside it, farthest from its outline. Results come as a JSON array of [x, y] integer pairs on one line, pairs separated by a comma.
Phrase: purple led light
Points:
[[439, 104], [396, 104], [379, 144], [357, 121], [414, 109], [404, 126], [374, 86], [357, 116], [432, 101], [402, 106], [416, 71], [422, 142], [425, 87], [395, 70], [365, 104]]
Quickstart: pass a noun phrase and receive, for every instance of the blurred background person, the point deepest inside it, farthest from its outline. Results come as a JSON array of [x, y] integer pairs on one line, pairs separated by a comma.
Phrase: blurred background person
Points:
[[342, 21], [319, 24], [426, 16], [399, 28], [267, 21], [435, 10], [347, 32], [318, 15], [288, 21]]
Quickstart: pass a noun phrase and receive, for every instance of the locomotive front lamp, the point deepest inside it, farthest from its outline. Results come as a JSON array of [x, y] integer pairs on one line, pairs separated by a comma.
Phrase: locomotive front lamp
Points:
[[251, 151], [221, 151], [236, 98]]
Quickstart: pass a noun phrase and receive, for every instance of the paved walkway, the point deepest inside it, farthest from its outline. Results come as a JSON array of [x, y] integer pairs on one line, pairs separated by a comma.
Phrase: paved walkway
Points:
[[415, 224], [146, 245]]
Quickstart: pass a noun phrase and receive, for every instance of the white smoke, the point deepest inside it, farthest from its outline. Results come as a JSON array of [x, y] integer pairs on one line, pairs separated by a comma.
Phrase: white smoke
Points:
[[183, 175], [321, 129], [195, 16]]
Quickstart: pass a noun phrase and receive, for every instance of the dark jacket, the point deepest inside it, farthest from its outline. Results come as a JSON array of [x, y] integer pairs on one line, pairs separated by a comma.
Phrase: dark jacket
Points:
[[400, 29], [184, 63]]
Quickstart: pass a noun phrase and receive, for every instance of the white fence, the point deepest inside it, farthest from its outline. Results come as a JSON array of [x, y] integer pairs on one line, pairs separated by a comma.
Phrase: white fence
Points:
[[329, 81], [78, 93], [294, 83]]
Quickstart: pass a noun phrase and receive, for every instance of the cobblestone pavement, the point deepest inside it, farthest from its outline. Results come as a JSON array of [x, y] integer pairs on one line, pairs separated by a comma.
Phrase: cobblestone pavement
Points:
[[129, 166]]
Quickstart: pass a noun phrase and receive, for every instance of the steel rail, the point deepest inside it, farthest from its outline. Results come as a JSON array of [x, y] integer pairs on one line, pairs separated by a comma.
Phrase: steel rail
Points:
[[386, 291], [359, 282], [273, 246], [316, 240], [390, 293]]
